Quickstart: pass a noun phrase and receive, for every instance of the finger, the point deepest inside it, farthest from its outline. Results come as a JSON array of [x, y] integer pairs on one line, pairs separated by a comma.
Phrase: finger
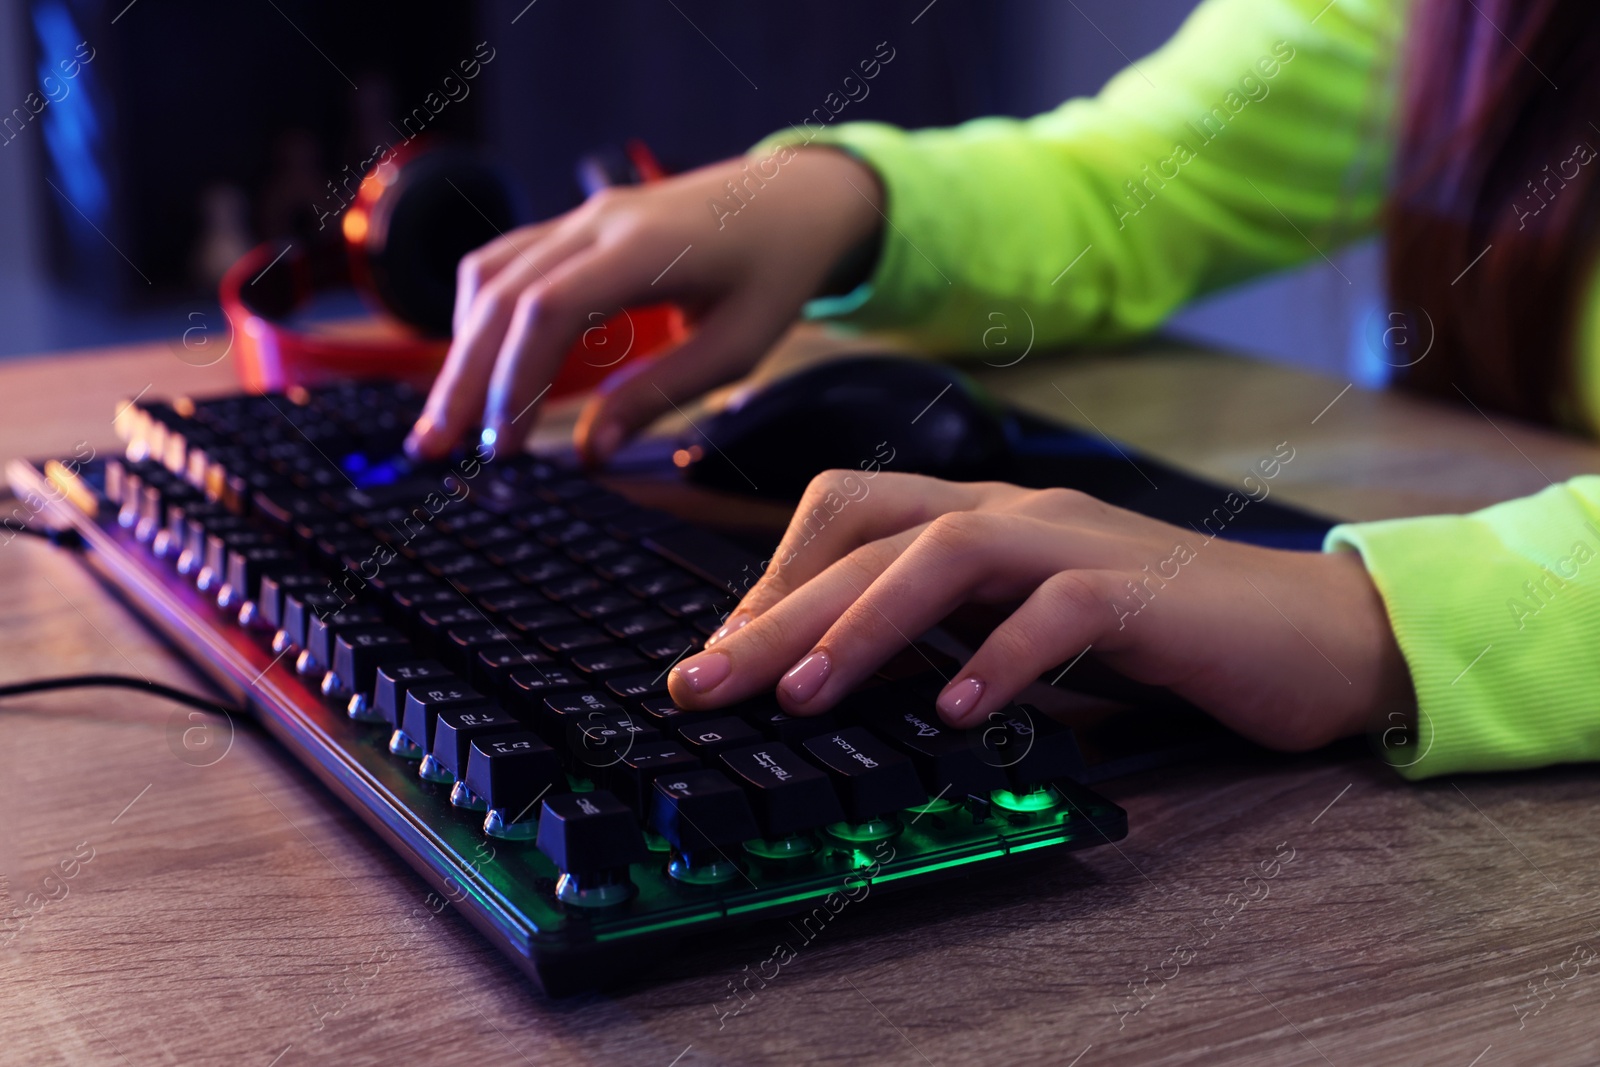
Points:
[[548, 319], [840, 511], [749, 661], [726, 343], [479, 267], [959, 557], [457, 398], [1068, 613]]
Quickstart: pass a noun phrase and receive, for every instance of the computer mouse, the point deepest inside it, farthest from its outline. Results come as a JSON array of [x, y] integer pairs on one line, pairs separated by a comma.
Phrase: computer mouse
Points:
[[867, 413]]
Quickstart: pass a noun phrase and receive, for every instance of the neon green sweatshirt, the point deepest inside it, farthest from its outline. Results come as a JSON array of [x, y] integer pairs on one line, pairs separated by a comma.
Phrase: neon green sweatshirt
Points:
[[1259, 137]]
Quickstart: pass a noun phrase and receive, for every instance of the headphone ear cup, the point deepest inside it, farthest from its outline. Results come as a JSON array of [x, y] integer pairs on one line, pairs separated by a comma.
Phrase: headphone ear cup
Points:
[[442, 205]]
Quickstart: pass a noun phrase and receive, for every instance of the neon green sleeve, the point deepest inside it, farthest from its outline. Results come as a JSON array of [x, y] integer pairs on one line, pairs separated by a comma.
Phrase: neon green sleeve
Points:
[[1251, 140], [1498, 615]]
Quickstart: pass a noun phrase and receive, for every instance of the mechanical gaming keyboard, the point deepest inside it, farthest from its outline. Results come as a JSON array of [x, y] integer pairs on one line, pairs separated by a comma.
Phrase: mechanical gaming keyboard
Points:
[[473, 655]]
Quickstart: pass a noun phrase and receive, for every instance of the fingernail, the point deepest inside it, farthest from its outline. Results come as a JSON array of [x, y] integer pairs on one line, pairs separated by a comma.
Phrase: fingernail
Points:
[[806, 677], [607, 438], [960, 699], [734, 624], [417, 441], [704, 672]]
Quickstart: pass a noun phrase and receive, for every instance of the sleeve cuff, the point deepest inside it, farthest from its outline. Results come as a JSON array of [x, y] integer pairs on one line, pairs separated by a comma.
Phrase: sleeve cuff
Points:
[[1498, 616]]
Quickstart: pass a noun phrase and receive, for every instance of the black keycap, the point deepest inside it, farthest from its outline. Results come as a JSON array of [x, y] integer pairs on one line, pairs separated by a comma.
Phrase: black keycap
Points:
[[462, 523], [455, 731], [707, 624], [598, 740], [871, 778], [536, 619], [219, 545], [424, 703], [779, 725], [513, 554], [439, 620], [274, 587], [590, 550], [190, 516], [951, 763], [301, 607], [540, 516], [448, 566], [660, 584], [635, 624], [357, 655], [700, 810], [540, 571], [632, 776], [394, 680], [465, 642], [565, 708], [663, 710], [1028, 746], [512, 771], [433, 596], [603, 605], [247, 566], [492, 535], [321, 631], [572, 587], [495, 663], [635, 686], [515, 600], [531, 685], [702, 552], [789, 795], [640, 522], [705, 737], [573, 638], [692, 602], [626, 565], [607, 660], [476, 584], [669, 645], [561, 534], [589, 833]]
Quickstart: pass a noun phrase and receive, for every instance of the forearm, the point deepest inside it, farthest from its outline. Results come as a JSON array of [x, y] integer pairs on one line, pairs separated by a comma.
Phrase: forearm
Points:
[[1102, 217]]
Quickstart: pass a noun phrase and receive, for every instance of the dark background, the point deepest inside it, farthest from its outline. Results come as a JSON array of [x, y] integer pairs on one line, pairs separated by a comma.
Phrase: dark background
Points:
[[200, 129]]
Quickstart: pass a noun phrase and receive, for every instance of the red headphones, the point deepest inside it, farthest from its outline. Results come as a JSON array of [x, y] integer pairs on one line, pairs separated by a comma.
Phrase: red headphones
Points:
[[412, 219]]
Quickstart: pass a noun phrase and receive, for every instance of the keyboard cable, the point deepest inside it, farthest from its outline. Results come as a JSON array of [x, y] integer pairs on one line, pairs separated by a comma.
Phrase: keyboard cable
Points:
[[67, 537], [121, 681]]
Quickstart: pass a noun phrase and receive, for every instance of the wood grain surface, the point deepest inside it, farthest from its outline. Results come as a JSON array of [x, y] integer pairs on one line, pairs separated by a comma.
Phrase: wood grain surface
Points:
[[1263, 910]]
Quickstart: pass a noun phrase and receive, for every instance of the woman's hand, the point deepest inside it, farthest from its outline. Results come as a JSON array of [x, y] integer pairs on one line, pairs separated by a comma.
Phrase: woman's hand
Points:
[[1291, 649], [741, 245]]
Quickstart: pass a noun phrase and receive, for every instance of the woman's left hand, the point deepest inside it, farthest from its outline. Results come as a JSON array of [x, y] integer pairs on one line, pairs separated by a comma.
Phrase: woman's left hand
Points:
[[1291, 649]]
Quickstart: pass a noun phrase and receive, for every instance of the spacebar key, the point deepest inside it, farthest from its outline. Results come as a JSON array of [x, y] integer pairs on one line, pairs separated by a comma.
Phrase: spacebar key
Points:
[[708, 555]]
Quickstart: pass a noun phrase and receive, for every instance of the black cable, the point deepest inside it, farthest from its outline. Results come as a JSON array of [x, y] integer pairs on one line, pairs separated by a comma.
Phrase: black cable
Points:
[[66, 537], [119, 681]]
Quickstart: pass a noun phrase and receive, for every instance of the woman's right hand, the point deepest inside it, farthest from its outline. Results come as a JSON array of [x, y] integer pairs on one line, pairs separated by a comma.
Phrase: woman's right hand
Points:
[[740, 267]]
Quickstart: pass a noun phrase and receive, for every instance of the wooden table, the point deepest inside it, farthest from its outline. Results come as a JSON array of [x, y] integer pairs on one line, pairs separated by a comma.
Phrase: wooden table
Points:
[[229, 912]]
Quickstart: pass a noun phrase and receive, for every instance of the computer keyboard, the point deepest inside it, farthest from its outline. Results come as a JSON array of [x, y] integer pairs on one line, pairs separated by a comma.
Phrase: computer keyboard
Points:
[[473, 655]]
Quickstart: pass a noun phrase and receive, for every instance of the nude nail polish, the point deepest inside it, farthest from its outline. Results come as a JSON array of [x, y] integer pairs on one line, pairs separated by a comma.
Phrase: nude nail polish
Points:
[[960, 699], [704, 672], [734, 624], [806, 677]]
